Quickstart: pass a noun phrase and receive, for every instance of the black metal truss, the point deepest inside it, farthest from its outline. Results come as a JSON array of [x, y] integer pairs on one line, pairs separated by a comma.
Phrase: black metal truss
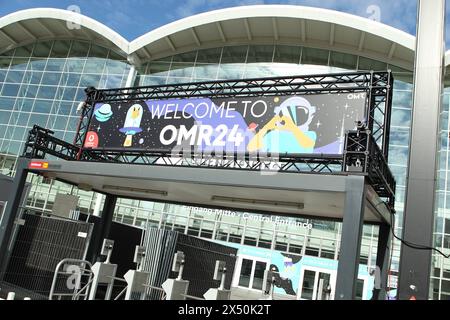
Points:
[[295, 163], [362, 156], [41, 142], [305, 84], [377, 85]]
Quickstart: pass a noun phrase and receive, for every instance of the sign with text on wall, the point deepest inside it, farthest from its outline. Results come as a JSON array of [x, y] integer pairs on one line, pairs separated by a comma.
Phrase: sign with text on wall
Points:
[[294, 124]]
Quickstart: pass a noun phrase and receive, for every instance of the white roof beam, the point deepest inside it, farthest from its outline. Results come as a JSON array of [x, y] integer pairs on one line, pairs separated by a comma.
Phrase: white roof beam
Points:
[[392, 50], [247, 29], [332, 34], [26, 31], [361, 41], [222, 35], [47, 29], [147, 53], [7, 36], [275, 29], [195, 36], [170, 43], [303, 29]]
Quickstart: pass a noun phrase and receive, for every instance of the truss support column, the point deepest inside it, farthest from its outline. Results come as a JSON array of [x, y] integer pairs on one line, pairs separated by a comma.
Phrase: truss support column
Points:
[[103, 229], [11, 211], [418, 221], [352, 226]]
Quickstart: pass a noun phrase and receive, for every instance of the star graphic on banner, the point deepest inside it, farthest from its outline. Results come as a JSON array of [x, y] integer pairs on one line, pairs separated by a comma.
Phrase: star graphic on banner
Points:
[[346, 106], [318, 124]]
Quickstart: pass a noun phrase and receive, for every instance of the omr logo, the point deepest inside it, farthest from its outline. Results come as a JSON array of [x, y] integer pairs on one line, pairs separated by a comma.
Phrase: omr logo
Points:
[[38, 165], [354, 96]]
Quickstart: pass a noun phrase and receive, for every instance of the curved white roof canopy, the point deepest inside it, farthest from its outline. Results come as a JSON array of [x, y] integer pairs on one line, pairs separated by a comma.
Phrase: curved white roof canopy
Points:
[[261, 24], [26, 26], [279, 24]]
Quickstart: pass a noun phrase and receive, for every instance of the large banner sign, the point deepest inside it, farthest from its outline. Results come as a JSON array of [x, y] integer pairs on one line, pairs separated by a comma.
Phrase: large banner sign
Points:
[[291, 124]]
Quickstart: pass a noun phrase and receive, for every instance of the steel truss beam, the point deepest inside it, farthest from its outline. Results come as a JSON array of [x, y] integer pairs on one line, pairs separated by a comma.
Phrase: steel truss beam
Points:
[[362, 156]]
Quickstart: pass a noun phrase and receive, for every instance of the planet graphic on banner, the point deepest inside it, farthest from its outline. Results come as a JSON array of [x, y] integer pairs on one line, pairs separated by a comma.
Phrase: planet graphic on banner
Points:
[[103, 113]]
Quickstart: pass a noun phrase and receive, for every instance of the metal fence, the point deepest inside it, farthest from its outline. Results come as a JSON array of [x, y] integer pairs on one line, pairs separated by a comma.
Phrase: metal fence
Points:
[[40, 244]]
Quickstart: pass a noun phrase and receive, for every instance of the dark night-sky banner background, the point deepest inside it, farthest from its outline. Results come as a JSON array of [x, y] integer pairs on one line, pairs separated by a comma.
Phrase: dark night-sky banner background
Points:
[[294, 124]]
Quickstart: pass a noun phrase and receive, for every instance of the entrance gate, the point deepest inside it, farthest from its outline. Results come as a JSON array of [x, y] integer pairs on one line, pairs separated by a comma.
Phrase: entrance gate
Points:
[[355, 186]]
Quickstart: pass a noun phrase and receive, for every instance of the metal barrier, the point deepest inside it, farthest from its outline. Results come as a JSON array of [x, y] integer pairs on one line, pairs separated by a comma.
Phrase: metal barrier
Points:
[[81, 268], [160, 294], [192, 297], [124, 289]]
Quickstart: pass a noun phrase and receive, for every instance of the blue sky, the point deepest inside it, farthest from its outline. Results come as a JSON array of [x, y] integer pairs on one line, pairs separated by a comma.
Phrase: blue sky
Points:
[[132, 18]]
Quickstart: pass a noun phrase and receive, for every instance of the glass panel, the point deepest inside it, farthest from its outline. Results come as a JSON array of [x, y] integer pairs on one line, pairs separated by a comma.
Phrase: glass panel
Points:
[[326, 286], [315, 56], [235, 234], [75, 65], [97, 51], [308, 285], [287, 54], [42, 49], [60, 49], [369, 64], [157, 67], [79, 49], [181, 69], [259, 275], [281, 242], [19, 63], [10, 90], [260, 54], [4, 116], [94, 65], [14, 76], [343, 60], [234, 54], [359, 289], [250, 237], [209, 55], [55, 64], [185, 57], [246, 271], [51, 78]]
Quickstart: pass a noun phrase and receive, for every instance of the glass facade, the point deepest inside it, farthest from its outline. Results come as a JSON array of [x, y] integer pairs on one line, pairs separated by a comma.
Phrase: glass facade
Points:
[[42, 83], [440, 272]]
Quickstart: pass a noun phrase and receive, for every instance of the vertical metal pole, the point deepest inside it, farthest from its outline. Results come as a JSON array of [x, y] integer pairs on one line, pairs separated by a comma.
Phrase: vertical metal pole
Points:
[[415, 265], [105, 226], [11, 211], [352, 225], [383, 255], [131, 77]]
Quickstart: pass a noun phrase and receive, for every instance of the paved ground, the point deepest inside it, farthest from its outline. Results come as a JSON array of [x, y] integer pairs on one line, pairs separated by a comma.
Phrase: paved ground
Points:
[[246, 294]]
